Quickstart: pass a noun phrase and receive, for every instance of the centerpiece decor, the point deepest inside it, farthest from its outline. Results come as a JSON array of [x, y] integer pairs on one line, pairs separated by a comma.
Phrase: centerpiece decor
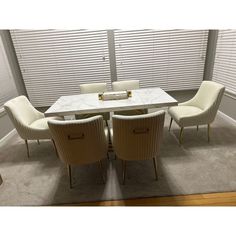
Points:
[[115, 95]]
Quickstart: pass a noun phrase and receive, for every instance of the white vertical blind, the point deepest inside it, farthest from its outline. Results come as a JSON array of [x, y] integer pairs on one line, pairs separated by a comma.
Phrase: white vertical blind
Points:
[[170, 59], [224, 71], [7, 86], [55, 62]]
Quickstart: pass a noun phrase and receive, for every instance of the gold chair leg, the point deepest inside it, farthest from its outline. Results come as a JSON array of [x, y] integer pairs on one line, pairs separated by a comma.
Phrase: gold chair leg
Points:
[[208, 132], [181, 135], [124, 170], [101, 168], [54, 145], [155, 167], [69, 174], [170, 123], [197, 127], [38, 141], [27, 148]]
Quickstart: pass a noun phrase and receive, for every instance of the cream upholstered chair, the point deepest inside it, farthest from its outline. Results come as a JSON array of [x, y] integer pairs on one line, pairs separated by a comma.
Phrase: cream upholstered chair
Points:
[[29, 122], [137, 137], [125, 85], [200, 110], [80, 142], [128, 85], [93, 88]]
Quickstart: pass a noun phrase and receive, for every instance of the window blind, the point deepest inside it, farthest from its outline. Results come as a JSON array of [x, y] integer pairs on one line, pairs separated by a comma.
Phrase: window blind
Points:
[[224, 71], [55, 62], [170, 59], [7, 86]]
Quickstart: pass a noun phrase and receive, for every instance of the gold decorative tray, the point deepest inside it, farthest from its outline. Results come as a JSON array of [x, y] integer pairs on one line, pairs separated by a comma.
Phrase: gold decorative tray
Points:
[[115, 95]]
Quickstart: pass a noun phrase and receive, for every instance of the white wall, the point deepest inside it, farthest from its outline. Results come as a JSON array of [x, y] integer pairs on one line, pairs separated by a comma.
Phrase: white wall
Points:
[[5, 123], [228, 106]]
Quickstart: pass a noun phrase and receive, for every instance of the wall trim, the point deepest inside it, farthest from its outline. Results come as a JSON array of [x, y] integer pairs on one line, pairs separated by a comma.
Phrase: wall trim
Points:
[[2, 112], [226, 117], [229, 94], [7, 137]]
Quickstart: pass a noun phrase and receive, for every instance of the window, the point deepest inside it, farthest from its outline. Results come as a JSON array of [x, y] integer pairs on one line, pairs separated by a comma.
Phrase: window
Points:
[[170, 59], [54, 62], [224, 70], [7, 88]]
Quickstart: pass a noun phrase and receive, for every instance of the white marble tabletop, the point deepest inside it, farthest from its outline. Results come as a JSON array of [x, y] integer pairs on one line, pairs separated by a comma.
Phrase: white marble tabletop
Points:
[[89, 103]]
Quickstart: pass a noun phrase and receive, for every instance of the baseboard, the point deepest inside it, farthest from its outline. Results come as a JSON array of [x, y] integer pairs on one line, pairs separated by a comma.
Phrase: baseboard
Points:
[[7, 137], [228, 118]]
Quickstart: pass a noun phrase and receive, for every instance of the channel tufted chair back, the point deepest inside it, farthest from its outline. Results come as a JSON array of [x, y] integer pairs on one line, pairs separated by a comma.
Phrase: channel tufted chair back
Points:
[[80, 142], [138, 137]]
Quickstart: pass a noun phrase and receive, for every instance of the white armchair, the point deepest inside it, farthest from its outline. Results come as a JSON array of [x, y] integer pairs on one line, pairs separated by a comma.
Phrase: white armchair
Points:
[[94, 88], [199, 110], [137, 137], [128, 85], [29, 122], [125, 85], [80, 142]]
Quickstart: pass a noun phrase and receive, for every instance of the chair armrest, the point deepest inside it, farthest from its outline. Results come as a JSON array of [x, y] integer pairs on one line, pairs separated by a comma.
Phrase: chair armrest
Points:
[[188, 103], [38, 114]]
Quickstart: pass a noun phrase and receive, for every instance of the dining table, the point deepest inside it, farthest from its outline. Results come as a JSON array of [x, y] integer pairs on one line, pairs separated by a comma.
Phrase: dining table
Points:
[[89, 103]]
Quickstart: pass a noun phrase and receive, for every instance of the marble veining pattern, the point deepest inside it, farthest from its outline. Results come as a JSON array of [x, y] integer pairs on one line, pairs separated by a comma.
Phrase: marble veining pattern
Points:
[[89, 103]]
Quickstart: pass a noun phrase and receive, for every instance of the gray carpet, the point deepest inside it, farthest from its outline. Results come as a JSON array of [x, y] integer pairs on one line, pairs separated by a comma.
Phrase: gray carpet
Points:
[[196, 167]]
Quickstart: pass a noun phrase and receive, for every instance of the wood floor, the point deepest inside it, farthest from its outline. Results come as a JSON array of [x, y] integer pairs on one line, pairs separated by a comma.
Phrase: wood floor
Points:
[[211, 199]]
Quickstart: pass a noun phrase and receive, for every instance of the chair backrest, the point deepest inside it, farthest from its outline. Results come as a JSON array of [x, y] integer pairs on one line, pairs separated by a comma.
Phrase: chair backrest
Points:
[[93, 88], [208, 97], [21, 113], [138, 137], [125, 85], [79, 141]]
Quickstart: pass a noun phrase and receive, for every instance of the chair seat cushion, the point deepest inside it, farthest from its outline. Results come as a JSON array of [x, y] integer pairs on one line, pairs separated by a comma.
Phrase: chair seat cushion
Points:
[[43, 123], [39, 129], [185, 115]]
